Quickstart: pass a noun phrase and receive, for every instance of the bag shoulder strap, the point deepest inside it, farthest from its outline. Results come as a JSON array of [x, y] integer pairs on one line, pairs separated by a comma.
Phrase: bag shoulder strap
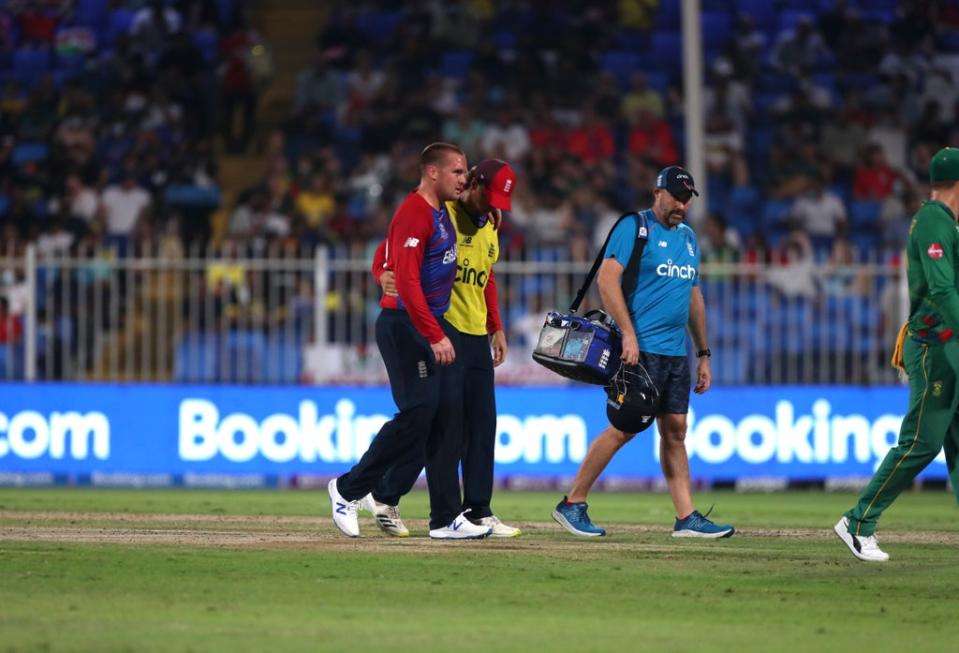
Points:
[[631, 273], [642, 235]]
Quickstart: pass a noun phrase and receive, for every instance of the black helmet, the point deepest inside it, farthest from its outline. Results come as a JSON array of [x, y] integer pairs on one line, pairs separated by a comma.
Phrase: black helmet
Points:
[[633, 399]]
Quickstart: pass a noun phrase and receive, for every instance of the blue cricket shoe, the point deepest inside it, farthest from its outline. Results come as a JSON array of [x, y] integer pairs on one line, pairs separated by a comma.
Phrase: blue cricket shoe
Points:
[[573, 517], [697, 525]]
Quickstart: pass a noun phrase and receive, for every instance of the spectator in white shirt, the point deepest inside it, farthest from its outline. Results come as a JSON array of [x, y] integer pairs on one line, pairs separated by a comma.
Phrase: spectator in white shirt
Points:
[[123, 205], [507, 139], [820, 211]]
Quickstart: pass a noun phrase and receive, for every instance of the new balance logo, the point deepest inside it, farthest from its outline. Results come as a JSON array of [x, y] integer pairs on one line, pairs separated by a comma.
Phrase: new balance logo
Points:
[[411, 242], [456, 525], [663, 243], [340, 508], [421, 369]]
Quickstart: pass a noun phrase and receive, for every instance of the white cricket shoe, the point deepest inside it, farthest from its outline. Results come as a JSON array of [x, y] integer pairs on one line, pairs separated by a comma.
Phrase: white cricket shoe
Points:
[[864, 547], [344, 512], [460, 528], [387, 517], [498, 528]]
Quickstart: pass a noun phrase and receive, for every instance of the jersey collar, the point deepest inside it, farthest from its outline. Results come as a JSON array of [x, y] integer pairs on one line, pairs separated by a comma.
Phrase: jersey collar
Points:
[[943, 207]]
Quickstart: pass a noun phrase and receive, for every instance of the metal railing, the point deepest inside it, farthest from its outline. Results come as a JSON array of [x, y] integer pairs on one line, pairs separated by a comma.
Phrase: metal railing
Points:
[[283, 315]]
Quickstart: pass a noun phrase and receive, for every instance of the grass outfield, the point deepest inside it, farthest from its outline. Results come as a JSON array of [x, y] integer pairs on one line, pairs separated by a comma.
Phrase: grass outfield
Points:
[[182, 570]]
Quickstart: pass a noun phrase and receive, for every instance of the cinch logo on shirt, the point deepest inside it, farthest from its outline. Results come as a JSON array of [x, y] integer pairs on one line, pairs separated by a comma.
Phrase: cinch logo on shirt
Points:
[[471, 275], [935, 251], [669, 270]]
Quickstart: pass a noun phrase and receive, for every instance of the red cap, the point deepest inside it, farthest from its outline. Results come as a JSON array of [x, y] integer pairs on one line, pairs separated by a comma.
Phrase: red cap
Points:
[[499, 179]]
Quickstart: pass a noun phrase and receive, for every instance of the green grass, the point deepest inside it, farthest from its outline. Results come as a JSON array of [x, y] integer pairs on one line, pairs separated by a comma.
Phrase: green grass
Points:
[[545, 591]]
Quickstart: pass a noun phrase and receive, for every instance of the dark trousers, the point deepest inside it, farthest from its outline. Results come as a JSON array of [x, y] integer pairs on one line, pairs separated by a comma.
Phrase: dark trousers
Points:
[[418, 386], [242, 103], [470, 437]]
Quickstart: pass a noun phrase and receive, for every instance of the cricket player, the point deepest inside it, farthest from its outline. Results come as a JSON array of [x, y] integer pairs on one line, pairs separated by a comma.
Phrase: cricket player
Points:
[[664, 300], [415, 341], [474, 315], [928, 351]]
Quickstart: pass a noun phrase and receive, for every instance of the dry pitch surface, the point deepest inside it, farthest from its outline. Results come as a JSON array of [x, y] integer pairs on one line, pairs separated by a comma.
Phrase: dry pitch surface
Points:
[[318, 533]]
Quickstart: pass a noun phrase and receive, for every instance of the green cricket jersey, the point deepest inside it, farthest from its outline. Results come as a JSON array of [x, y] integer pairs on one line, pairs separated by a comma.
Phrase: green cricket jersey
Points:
[[932, 269]]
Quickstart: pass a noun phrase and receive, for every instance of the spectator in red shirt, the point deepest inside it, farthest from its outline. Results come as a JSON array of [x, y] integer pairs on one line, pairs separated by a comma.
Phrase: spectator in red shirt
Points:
[[592, 141], [652, 138], [11, 330], [874, 177], [238, 85]]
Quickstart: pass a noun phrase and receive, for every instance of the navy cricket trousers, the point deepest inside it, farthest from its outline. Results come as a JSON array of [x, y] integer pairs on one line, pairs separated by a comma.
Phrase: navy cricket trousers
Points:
[[470, 434], [417, 384]]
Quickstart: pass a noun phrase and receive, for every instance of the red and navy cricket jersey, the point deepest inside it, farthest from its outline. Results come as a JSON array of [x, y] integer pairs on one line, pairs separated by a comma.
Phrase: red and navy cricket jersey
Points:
[[421, 249]]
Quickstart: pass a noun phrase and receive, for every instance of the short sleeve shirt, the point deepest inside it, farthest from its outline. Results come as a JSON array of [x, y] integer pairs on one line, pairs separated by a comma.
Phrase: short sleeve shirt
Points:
[[668, 270]]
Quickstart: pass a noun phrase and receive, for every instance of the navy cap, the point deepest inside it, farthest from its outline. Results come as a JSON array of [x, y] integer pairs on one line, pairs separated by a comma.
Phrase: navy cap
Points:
[[677, 181]]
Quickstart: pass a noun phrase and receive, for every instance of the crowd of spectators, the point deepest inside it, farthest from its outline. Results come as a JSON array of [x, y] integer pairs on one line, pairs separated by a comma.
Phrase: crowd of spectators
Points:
[[820, 117], [108, 118]]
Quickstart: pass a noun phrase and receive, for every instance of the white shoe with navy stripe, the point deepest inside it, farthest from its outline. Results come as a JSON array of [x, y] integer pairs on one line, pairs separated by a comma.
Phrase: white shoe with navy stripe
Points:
[[460, 528], [344, 512]]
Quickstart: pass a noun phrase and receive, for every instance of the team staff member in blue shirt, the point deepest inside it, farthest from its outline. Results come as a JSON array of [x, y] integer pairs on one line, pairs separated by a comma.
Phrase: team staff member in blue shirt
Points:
[[665, 301]]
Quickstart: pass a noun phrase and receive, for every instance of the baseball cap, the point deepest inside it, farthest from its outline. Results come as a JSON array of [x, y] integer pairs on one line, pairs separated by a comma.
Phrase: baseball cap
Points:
[[499, 179], [944, 165], [677, 181]]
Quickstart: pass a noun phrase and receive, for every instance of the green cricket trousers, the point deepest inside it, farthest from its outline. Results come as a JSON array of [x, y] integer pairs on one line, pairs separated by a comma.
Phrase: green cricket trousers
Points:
[[930, 423]]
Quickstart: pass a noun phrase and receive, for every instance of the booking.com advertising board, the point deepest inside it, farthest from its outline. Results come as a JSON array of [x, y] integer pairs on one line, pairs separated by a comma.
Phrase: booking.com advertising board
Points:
[[189, 435]]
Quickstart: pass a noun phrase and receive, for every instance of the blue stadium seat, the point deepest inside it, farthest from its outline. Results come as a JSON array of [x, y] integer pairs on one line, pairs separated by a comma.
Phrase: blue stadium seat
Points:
[[949, 41], [29, 64], [196, 358], [456, 63], [504, 40], [207, 42], [775, 213], [91, 13], [225, 10], [668, 17], [243, 358], [717, 29], [730, 366], [25, 152], [667, 50], [283, 362], [864, 240], [621, 64], [11, 362], [121, 20], [864, 214], [790, 18], [192, 196]]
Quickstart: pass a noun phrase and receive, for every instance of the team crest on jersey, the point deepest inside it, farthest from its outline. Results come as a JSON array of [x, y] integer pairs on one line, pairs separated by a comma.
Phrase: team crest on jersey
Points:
[[937, 388], [468, 241], [935, 251]]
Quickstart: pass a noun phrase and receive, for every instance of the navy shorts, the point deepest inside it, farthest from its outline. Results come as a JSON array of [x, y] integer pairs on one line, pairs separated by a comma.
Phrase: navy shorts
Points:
[[670, 374]]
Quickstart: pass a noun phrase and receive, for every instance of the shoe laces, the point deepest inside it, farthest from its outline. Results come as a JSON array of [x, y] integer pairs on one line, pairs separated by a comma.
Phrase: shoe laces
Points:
[[869, 542], [393, 512]]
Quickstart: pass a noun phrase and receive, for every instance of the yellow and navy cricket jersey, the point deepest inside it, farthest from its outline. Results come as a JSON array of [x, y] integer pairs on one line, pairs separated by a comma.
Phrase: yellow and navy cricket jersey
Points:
[[477, 250]]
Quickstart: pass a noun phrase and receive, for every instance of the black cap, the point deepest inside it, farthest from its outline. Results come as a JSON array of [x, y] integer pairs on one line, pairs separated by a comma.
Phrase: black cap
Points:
[[677, 181]]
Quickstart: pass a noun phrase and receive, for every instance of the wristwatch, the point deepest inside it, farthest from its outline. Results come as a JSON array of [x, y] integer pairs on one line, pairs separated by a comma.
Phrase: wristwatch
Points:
[[704, 352]]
